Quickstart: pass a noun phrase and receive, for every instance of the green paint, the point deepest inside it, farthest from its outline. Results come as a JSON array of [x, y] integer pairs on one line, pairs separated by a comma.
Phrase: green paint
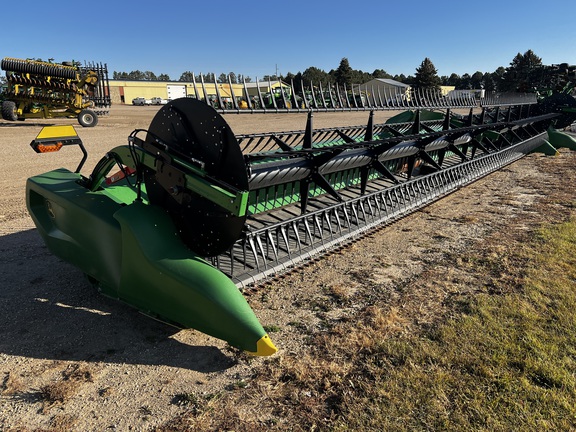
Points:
[[561, 140], [546, 148], [132, 252]]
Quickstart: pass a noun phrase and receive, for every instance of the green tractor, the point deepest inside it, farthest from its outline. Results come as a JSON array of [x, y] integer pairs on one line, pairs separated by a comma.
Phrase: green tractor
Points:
[[37, 89]]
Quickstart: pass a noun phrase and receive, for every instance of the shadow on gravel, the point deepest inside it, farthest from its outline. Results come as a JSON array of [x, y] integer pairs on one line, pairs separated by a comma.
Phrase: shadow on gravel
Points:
[[24, 124], [48, 310]]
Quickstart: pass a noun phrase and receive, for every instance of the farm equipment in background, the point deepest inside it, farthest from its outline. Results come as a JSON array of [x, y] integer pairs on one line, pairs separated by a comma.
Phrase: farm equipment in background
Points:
[[195, 214], [37, 89]]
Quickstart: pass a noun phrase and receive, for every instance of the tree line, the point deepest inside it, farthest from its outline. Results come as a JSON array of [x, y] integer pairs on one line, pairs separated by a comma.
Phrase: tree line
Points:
[[525, 73]]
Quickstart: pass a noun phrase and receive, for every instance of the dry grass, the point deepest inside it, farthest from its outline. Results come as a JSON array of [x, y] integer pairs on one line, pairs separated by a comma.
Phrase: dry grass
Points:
[[65, 387], [497, 356], [11, 385]]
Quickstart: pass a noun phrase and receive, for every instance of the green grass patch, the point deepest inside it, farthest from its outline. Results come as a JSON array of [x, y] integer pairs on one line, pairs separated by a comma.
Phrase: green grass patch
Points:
[[508, 363]]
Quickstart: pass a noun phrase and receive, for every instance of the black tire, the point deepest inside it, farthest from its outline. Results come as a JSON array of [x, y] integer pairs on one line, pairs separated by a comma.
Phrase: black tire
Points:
[[9, 111], [87, 118]]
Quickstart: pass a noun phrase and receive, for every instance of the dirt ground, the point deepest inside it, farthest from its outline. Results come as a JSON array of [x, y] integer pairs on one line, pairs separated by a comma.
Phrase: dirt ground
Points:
[[127, 369]]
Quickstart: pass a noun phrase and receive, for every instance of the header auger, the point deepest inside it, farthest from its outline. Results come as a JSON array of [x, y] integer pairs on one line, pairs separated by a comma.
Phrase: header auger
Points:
[[38, 89], [196, 213]]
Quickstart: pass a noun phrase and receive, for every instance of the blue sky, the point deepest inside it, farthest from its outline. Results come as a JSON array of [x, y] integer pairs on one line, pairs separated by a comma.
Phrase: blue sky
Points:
[[260, 38]]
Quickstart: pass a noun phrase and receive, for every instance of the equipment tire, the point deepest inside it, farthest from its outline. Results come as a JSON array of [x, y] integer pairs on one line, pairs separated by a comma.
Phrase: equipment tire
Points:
[[87, 118], [9, 111]]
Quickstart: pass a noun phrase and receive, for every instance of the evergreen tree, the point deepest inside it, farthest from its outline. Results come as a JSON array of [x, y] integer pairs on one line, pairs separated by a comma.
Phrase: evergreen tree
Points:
[[149, 76], [465, 82], [315, 75], [187, 77], [523, 75], [426, 76], [400, 78], [344, 74], [136, 75], [488, 82], [381, 73], [453, 80], [298, 83], [476, 80], [408, 80], [269, 78], [289, 78]]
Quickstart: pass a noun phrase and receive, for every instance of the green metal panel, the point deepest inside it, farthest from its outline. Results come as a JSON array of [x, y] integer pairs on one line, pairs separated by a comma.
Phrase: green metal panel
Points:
[[561, 140], [547, 149], [77, 226], [132, 251], [163, 277]]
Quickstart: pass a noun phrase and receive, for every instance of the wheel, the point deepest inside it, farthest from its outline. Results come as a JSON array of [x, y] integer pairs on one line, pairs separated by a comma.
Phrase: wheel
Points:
[[9, 111], [87, 118]]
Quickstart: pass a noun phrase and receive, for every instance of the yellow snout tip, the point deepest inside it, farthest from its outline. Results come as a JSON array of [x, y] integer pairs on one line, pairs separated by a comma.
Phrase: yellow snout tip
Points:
[[264, 347]]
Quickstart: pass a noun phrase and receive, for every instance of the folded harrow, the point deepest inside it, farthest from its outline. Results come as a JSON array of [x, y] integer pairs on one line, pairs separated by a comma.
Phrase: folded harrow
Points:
[[195, 212], [37, 89]]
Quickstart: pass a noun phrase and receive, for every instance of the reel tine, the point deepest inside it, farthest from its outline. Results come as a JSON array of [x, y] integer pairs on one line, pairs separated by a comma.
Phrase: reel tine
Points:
[[206, 98], [354, 102], [429, 98], [402, 101], [262, 104], [340, 102], [313, 95], [369, 96], [348, 105], [375, 97], [219, 97], [271, 94], [234, 101], [387, 100], [322, 95], [294, 101], [248, 98], [282, 93], [304, 97], [380, 98], [195, 86], [333, 105]]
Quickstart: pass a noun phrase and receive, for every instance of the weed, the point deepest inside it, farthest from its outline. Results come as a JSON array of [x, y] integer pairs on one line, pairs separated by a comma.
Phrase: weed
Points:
[[145, 410], [63, 389], [272, 328], [58, 391], [185, 399], [11, 385]]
